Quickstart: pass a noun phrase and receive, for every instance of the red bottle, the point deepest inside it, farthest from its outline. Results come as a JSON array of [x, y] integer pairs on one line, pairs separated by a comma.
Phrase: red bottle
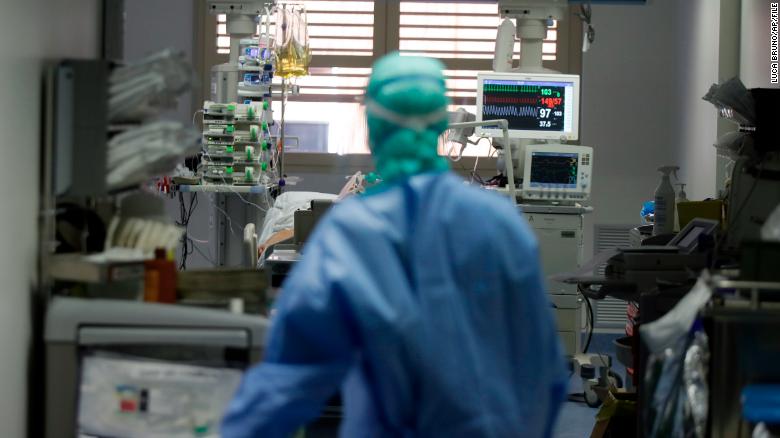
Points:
[[160, 278]]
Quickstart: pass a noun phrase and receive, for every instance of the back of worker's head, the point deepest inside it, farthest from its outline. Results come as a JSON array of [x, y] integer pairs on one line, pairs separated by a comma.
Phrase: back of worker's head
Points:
[[406, 111]]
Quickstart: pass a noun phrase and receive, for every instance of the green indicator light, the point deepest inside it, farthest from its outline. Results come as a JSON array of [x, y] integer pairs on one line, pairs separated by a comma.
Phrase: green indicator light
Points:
[[249, 154], [265, 145], [250, 113], [231, 107], [265, 104], [264, 166], [265, 125], [230, 129], [229, 170], [229, 149]]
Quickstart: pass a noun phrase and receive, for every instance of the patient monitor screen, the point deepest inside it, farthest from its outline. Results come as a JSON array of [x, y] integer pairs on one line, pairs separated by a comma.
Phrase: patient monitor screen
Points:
[[554, 170], [529, 105]]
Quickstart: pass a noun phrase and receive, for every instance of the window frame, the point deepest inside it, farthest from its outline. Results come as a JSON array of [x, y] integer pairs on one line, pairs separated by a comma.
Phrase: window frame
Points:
[[386, 39]]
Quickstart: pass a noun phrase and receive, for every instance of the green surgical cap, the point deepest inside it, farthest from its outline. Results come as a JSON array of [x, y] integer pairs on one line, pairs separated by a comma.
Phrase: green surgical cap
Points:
[[406, 111]]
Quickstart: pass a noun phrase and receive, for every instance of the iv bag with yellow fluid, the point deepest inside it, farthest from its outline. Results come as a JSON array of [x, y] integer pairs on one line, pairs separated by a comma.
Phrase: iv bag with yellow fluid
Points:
[[293, 54]]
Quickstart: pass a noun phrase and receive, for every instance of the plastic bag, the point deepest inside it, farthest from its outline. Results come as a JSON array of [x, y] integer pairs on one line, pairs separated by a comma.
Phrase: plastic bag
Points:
[[733, 101], [292, 42], [149, 150], [771, 229], [144, 88], [676, 376], [697, 391], [132, 398]]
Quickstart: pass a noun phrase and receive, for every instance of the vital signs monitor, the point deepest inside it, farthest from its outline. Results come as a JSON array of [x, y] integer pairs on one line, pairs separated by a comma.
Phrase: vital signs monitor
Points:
[[537, 106], [557, 172]]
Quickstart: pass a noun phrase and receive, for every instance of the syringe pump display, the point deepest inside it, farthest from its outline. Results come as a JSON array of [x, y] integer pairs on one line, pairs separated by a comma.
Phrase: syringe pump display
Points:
[[536, 106]]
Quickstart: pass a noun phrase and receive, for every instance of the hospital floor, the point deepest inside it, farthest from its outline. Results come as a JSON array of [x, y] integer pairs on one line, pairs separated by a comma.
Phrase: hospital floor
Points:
[[577, 419]]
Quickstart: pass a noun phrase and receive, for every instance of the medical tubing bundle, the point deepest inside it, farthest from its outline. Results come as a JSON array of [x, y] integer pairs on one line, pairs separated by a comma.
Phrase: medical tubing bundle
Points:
[[143, 89], [146, 151], [136, 92]]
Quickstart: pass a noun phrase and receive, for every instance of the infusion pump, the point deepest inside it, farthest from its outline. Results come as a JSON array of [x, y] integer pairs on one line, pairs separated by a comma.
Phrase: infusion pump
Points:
[[557, 172]]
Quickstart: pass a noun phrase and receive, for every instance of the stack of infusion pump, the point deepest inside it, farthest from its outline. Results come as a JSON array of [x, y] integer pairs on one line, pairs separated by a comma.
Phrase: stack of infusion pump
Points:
[[238, 149], [237, 145]]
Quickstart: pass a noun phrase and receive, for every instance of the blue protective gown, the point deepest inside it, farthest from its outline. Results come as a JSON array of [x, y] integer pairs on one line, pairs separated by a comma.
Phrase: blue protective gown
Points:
[[425, 304]]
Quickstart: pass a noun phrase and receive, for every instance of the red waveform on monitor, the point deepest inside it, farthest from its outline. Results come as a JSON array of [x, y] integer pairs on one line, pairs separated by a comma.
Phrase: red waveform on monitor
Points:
[[510, 99]]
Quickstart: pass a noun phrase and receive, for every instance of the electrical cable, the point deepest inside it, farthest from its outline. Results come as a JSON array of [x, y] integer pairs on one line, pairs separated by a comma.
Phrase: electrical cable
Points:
[[227, 216], [208, 259], [245, 201], [476, 161], [591, 324], [186, 240], [195, 114], [203, 241], [604, 364], [590, 319], [230, 187]]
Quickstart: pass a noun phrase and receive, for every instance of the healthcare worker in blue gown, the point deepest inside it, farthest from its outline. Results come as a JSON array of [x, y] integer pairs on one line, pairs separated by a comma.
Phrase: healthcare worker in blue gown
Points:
[[422, 301]]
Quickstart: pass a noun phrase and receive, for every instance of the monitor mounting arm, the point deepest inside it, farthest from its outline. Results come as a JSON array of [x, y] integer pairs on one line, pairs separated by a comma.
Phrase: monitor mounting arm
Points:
[[240, 18], [533, 18]]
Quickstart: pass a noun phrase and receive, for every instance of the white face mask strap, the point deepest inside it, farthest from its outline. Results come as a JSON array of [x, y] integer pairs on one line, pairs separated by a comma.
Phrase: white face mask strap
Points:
[[416, 123]]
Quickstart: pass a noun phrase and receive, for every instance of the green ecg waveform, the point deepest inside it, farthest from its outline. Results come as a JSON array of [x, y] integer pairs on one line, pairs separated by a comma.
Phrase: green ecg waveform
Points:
[[501, 88]]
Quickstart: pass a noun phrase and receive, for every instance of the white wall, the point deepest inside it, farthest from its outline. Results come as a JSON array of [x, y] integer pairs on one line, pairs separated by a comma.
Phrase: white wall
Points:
[[30, 32], [696, 121], [627, 117], [718, 39], [754, 47]]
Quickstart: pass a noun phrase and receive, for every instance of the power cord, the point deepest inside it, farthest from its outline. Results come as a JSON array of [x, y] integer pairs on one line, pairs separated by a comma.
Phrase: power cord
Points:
[[194, 115], [227, 216], [232, 190], [476, 161], [185, 213], [591, 319], [208, 258]]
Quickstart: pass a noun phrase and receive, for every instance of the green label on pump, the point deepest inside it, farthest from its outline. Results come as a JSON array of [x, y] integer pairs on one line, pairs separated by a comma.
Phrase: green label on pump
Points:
[[229, 149], [265, 145], [230, 129], [265, 104], [229, 170], [265, 125], [264, 166]]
